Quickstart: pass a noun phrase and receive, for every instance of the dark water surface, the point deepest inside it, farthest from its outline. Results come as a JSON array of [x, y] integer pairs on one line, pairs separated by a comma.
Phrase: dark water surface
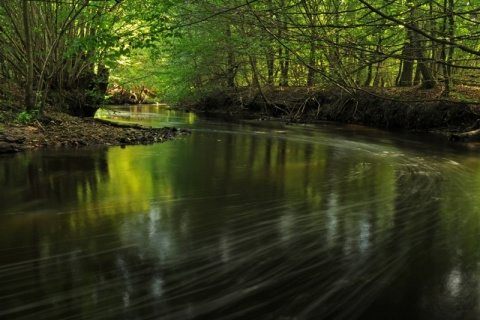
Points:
[[242, 220]]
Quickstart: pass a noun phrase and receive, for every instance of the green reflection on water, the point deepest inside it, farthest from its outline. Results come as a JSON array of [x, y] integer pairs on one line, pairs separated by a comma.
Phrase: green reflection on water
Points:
[[153, 115]]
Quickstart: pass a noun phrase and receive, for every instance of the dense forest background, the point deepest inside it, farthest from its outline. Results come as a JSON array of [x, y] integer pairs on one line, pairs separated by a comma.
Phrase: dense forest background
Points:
[[67, 52]]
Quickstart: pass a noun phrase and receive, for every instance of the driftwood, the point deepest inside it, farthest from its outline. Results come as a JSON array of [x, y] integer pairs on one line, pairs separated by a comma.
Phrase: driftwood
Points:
[[470, 136]]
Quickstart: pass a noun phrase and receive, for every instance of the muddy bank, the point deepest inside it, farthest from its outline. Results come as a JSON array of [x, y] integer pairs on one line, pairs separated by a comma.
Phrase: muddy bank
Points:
[[393, 108], [59, 130]]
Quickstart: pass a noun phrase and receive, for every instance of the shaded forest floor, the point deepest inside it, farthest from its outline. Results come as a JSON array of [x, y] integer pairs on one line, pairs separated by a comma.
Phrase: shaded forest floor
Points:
[[413, 109]]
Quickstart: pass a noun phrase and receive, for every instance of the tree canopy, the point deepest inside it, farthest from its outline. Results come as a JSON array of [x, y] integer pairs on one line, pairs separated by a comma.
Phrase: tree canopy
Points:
[[66, 51]]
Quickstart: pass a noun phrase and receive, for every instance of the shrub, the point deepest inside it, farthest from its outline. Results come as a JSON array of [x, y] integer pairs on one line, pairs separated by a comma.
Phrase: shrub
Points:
[[26, 117]]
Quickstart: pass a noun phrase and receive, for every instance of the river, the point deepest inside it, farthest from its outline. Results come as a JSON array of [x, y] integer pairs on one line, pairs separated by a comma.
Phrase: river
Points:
[[242, 220]]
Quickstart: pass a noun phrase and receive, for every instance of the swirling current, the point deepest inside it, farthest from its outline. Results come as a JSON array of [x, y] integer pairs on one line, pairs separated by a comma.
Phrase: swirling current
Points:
[[242, 220]]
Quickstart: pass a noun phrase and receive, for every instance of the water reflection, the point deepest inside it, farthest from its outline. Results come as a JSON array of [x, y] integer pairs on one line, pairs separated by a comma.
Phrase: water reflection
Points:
[[151, 115], [231, 223]]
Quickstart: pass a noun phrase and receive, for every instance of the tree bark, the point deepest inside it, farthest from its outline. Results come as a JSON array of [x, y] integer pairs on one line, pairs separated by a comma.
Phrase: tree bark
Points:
[[406, 77], [428, 80], [231, 67], [29, 78]]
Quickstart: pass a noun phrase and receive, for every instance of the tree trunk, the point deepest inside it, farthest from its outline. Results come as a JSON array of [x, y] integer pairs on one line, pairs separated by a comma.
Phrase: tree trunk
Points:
[[270, 65], [312, 62], [406, 77], [253, 65], [29, 104], [284, 58], [447, 57], [270, 51], [428, 81], [284, 66], [369, 78], [231, 67]]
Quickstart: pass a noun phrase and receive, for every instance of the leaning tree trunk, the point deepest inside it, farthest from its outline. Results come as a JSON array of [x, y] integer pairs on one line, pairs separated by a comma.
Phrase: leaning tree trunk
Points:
[[428, 80]]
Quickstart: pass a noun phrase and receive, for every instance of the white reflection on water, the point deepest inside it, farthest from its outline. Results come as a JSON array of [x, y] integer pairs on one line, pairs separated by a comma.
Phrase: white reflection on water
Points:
[[285, 225], [364, 237], [332, 216], [454, 282], [225, 248], [157, 287]]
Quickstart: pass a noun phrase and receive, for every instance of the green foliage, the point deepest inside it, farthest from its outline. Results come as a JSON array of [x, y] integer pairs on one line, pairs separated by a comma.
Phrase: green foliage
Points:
[[26, 117], [186, 49], [82, 35], [138, 70], [310, 42]]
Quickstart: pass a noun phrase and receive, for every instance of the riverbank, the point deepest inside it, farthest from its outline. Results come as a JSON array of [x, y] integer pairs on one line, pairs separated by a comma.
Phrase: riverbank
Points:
[[60, 130], [412, 109]]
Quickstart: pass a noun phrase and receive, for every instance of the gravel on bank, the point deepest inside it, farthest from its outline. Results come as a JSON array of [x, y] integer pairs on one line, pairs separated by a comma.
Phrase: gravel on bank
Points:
[[60, 130]]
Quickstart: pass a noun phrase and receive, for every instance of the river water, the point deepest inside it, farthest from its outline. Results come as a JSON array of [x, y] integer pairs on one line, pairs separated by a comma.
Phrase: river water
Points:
[[242, 220]]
